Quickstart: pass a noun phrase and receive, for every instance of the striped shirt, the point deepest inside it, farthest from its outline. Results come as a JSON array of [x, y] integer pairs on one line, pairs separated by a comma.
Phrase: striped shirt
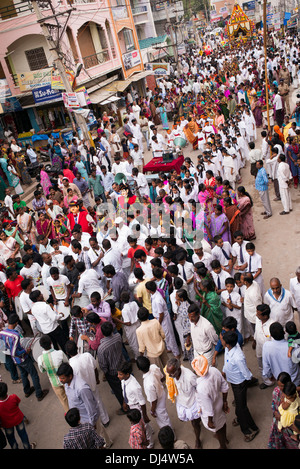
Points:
[[110, 354], [49, 362], [83, 437], [11, 338]]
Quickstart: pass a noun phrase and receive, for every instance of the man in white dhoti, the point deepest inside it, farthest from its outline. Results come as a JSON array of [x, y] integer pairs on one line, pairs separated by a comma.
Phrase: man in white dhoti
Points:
[[182, 389], [212, 391], [161, 313], [154, 390], [285, 179]]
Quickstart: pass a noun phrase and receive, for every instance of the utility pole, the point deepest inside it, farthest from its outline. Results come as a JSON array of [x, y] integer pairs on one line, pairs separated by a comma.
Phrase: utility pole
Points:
[[47, 29], [265, 52], [174, 43]]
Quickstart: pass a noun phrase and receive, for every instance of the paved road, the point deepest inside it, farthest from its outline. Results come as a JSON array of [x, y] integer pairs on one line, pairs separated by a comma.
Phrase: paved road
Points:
[[278, 243]]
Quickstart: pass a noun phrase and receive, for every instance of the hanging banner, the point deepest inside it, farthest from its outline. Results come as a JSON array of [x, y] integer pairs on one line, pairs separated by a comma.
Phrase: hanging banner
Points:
[[5, 91], [10, 105], [45, 94], [71, 100], [158, 68], [56, 80], [29, 80]]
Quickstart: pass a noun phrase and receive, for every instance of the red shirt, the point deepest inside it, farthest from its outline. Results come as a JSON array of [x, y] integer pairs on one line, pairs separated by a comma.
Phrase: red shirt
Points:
[[10, 414], [14, 288]]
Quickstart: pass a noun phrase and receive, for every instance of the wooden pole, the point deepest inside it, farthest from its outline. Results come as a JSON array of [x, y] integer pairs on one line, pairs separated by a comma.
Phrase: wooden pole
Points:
[[265, 52]]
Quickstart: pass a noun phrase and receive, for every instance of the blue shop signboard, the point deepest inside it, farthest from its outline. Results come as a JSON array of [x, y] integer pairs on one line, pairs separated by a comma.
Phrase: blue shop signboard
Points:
[[44, 94]]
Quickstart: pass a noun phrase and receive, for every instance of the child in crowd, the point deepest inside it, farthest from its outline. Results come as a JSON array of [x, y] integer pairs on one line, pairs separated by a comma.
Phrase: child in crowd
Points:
[[12, 418], [293, 337], [289, 407], [231, 301], [137, 438], [228, 324]]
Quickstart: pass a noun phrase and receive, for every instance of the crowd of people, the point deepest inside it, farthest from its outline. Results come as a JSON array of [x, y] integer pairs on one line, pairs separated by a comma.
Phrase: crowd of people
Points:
[[108, 271]]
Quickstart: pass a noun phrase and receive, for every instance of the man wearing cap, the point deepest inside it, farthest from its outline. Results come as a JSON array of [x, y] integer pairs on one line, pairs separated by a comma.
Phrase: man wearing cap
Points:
[[283, 90]]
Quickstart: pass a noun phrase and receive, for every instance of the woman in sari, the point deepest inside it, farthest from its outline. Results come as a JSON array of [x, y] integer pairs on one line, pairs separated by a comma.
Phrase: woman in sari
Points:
[[202, 225], [44, 225], [205, 199], [219, 224], [233, 215], [280, 439], [246, 217], [45, 181], [61, 232], [218, 188], [182, 322], [210, 183], [155, 116], [219, 119], [70, 197], [292, 153], [227, 187], [57, 157], [14, 179], [25, 223], [163, 116], [22, 169], [256, 108], [211, 305]]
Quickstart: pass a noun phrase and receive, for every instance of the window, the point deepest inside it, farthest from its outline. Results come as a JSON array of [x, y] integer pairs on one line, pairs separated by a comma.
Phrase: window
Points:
[[129, 41], [36, 58]]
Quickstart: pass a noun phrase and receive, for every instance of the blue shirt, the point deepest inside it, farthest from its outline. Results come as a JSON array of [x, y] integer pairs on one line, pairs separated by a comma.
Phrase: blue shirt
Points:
[[219, 347], [235, 366], [261, 180]]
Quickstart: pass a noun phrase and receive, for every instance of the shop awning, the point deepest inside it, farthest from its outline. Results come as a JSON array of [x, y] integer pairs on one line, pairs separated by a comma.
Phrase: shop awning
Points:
[[140, 75]]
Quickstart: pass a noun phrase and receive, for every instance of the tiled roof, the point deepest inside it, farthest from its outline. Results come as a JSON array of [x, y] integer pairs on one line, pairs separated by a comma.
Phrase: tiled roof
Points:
[[150, 41]]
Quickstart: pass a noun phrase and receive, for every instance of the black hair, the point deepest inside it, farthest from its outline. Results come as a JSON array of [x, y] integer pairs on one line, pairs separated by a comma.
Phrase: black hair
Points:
[[277, 331], [229, 322], [3, 390], [166, 437], [143, 363], [65, 369], [291, 328], [72, 417], [143, 314], [264, 309], [230, 338], [107, 328], [289, 389], [134, 415], [45, 342]]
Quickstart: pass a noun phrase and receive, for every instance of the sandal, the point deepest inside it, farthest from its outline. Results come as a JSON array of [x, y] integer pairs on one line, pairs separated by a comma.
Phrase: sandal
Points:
[[235, 423], [251, 436]]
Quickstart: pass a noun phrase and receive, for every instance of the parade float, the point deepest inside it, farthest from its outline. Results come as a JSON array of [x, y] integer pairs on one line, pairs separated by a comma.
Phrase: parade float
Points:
[[239, 26]]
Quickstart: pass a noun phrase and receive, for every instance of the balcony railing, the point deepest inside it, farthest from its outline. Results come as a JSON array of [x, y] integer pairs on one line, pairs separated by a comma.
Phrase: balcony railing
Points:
[[96, 59], [11, 11], [119, 12], [138, 10]]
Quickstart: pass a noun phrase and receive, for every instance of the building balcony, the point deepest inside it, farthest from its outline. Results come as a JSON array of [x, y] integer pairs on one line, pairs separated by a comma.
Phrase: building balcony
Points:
[[139, 10], [159, 13], [119, 12], [15, 9], [96, 59]]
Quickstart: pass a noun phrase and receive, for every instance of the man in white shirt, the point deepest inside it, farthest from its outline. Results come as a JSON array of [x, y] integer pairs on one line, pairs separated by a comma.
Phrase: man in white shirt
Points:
[[280, 301], [187, 406], [86, 367], [111, 256], [31, 270], [203, 335], [252, 299], [48, 320], [261, 335], [88, 283], [295, 289], [137, 156], [154, 390], [285, 179], [26, 304], [141, 182]]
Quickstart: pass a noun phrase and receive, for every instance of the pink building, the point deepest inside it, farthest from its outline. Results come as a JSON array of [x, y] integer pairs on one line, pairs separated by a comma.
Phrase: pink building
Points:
[[92, 37]]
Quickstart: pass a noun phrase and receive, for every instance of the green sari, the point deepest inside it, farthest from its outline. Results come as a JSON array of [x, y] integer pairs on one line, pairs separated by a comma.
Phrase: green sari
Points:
[[213, 313]]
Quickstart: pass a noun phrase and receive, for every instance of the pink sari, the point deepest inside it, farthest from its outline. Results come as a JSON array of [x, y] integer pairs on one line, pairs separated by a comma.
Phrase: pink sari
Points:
[[45, 182], [246, 218]]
